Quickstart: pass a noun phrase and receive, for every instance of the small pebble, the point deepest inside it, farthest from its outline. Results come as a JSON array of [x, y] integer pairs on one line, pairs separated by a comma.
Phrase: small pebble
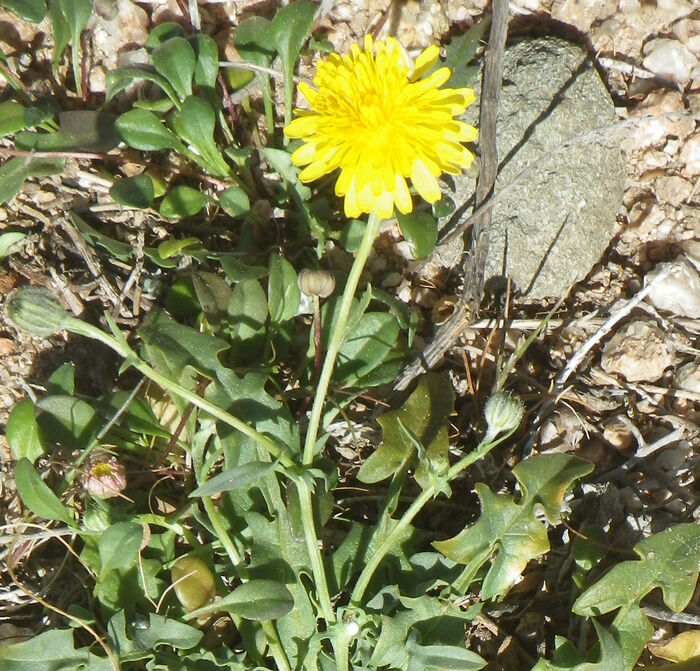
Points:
[[679, 292]]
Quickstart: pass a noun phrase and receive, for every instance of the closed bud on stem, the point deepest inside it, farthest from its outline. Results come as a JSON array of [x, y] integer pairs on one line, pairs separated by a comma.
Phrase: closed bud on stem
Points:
[[319, 283], [503, 413], [37, 311], [105, 477]]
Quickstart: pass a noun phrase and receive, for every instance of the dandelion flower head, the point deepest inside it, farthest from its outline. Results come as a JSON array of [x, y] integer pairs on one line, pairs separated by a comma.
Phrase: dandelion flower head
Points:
[[381, 119]]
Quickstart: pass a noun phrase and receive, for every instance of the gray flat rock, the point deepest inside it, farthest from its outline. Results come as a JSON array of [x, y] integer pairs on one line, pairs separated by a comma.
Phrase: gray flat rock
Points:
[[550, 229]]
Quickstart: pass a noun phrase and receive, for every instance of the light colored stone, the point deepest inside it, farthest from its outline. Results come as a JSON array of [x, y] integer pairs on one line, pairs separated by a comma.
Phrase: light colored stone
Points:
[[669, 58], [687, 377], [670, 10], [618, 433], [690, 156], [550, 229], [652, 132], [109, 37], [582, 13], [672, 189], [640, 353], [688, 32], [679, 292]]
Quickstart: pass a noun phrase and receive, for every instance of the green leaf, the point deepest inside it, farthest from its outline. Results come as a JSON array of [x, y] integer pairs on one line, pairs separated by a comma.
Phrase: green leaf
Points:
[[119, 546], [234, 201], [175, 247], [241, 477], [12, 117], [237, 271], [119, 250], [669, 560], [143, 130], [17, 170], [213, 293], [162, 33], [29, 10], [290, 28], [461, 51], [367, 345], [8, 241], [247, 310], [424, 413], [175, 346], [60, 30], [77, 14], [37, 496], [62, 380], [23, 432], [281, 161], [52, 650], [119, 79], [566, 658], [181, 202], [442, 658], [254, 600], [175, 60], [283, 293], [420, 229], [134, 191], [510, 530], [80, 130], [288, 31], [140, 637], [207, 54], [68, 420], [196, 123], [351, 235], [252, 40]]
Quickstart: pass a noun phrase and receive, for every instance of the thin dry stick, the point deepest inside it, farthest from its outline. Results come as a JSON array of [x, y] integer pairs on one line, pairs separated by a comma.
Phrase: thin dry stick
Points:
[[474, 266], [112, 659], [89, 257]]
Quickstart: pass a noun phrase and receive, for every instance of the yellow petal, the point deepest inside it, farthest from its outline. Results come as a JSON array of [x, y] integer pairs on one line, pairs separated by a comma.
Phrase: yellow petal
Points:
[[425, 183], [384, 205], [305, 154], [426, 59], [402, 196], [302, 126]]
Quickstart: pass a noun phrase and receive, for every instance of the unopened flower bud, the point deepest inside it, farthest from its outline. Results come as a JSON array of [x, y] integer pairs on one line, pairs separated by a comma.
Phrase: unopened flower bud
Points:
[[37, 311], [503, 413], [319, 283], [105, 477]]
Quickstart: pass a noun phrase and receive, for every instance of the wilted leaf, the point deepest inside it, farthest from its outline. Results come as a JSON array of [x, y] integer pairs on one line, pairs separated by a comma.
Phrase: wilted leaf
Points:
[[511, 530]]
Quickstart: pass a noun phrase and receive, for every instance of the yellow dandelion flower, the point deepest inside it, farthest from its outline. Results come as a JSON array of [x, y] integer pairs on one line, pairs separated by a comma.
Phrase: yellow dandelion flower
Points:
[[377, 117]]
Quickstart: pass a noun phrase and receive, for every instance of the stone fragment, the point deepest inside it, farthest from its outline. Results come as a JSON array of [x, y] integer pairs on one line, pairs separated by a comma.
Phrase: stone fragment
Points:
[[651, 132], [618, 433], [687, 377], [679, 291], [582, 13], [640, 353], [550, 229], [127, 27], [670, 10], [669, 58], [672, 189], [690, 156]]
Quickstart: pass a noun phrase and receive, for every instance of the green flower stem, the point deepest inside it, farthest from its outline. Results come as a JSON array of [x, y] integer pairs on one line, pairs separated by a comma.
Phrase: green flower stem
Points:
[[220, 529], [90, 331], [309, 526], [338, 335], [273, 639], [336, 340], [392, 539]]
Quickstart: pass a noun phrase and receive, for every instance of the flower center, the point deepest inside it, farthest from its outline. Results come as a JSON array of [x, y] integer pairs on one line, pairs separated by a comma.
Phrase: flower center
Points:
[[101, 470]]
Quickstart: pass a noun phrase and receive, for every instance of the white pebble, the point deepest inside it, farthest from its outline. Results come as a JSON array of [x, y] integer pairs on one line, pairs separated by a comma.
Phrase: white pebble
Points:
[[679, 291]]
